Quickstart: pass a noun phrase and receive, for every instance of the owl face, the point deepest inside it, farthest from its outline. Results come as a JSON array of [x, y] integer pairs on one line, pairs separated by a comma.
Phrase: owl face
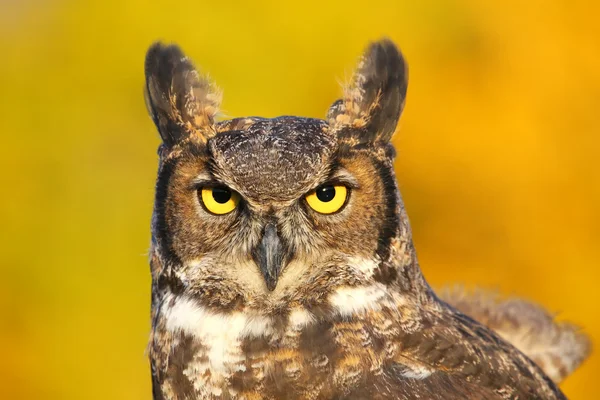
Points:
[[268, 213]]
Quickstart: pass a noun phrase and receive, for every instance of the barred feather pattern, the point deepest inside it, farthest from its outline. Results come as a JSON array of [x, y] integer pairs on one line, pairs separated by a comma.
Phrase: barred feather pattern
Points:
[[555, 346]]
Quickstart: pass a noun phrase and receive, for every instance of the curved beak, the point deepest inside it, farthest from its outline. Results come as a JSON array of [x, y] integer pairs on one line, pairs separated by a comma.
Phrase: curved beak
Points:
[[269, 255]]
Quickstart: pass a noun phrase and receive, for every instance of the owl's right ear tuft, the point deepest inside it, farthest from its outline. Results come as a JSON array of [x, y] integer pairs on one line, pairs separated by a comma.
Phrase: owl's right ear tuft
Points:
[[182, 103]]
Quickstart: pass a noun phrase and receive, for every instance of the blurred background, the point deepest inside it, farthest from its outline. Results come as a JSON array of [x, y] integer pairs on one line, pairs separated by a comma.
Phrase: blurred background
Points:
[[498, 157]]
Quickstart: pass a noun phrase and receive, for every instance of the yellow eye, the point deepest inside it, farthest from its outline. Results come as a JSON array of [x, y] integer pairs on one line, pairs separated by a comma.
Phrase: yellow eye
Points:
[[219, 200], [327, 199]]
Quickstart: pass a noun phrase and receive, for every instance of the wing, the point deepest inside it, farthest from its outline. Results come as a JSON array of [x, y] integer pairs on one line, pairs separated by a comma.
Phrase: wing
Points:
[[413, 351], [451, 356], [557, 347]]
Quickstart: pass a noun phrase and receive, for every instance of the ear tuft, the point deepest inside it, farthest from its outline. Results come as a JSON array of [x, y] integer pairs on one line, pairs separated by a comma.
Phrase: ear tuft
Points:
[[181, 102], [373, 102]]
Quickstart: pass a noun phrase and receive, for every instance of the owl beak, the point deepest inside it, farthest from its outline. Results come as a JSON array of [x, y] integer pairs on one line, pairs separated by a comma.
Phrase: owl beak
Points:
[[269, 255]]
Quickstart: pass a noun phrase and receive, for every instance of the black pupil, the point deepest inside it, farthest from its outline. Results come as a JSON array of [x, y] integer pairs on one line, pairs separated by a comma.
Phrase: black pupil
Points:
[[326, 193], [221, 195]]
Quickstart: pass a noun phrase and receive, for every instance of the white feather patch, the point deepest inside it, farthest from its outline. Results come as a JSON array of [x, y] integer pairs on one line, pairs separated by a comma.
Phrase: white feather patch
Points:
[[187, 316], [417, 373], [352, 300], [301, 317], [220, 332]]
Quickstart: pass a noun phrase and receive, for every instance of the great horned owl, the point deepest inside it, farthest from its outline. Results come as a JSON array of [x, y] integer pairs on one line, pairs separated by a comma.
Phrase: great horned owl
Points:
[[283, 265]]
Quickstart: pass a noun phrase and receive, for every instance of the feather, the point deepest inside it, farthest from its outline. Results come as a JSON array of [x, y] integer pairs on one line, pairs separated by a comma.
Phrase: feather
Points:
[[555, 346]]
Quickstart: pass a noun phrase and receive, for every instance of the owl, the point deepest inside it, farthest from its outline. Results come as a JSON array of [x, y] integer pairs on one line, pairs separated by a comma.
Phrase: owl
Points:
[[283, 265]]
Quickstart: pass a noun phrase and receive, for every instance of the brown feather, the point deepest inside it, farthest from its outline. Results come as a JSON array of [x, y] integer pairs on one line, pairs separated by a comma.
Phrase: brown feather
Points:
[[557, 347], [182, 103]]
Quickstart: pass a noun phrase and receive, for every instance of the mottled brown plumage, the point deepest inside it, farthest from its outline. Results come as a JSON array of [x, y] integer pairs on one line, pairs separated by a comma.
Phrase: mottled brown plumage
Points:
[[558, 347], [275, 299]]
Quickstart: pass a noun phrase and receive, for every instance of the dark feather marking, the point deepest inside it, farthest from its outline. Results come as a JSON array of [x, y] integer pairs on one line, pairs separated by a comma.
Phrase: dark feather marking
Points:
[[161, 230], [386, 271]]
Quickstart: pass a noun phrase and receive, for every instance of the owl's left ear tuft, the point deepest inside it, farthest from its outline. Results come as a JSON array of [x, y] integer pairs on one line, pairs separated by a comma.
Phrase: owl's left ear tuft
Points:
[[182, 103], [374, 100]]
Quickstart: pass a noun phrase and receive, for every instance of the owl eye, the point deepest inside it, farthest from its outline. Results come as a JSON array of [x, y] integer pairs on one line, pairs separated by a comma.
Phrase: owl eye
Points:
[[219, 200], [327, 199]]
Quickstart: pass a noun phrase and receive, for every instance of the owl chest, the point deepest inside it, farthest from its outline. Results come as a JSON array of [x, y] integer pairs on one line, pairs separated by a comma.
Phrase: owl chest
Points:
[[273, 366], [244, 356]]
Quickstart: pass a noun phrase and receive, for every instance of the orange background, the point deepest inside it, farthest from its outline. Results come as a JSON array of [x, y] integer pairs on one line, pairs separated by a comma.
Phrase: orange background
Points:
[[498, 157]]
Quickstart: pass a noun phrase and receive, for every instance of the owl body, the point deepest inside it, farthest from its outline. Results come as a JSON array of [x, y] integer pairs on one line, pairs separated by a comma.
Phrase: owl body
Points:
[[282, 260], [368, 345]]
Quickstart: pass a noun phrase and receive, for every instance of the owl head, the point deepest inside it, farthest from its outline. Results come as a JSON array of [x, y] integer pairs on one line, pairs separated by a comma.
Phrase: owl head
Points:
[[268, 214]]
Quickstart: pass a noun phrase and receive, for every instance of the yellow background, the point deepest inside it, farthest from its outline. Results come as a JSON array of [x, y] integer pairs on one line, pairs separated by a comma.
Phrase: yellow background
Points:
[[498, 157]]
